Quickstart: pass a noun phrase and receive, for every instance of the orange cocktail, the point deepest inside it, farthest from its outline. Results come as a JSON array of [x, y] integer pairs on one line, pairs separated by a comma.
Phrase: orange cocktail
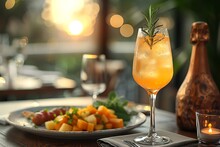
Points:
[[152, 68]]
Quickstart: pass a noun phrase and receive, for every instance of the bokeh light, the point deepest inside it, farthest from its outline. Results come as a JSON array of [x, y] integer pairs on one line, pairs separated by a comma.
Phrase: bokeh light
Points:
[[75, 27], [167, 22], [127, 30], [116, 21], [9, 4]]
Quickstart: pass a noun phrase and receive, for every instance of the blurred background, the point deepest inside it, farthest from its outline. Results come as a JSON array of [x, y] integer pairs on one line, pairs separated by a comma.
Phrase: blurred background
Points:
[[45, 39]]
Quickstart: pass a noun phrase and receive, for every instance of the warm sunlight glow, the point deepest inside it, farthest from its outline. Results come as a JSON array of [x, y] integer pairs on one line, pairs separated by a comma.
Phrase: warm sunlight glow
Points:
[[9, 4], [127, 30], [116, 21], [45, 14], [75, 27], [89, 32], [75, 17]]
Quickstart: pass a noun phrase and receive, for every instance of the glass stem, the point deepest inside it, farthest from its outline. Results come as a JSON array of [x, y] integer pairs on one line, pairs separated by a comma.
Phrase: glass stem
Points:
[[94, 97], [152, 132]]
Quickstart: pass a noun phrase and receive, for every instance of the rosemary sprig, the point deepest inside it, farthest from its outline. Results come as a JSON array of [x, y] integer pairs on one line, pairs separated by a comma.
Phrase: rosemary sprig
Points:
[[151, 17]]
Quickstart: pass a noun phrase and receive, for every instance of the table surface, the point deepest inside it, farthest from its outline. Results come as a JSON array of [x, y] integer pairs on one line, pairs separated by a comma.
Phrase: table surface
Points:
[[10, 136]]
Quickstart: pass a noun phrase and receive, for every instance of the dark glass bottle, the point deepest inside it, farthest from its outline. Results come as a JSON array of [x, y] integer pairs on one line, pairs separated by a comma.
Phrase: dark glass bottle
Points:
[[198, 90]]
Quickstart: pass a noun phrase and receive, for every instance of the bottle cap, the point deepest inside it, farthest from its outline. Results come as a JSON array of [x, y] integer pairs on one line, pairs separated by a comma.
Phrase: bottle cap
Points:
[[199, 32]]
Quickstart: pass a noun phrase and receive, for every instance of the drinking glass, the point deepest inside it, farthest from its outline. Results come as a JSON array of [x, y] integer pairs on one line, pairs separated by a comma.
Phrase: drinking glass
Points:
[[19, 46], [93, 74], [152, 70]]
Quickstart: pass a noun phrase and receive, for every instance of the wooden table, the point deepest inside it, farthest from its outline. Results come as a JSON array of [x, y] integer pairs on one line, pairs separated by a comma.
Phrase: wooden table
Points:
[[10, 136]]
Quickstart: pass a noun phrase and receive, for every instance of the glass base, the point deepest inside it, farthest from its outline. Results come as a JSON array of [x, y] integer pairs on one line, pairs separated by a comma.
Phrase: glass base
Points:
[[157, 140]]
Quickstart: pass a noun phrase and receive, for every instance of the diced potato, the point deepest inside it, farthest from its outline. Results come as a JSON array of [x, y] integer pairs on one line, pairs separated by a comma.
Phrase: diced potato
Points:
[[91, 119], [117, 122], [83, 112], [65, 127], [108, 126], [99, 127], [50, 125], [59, 120], [102, 110], [104, 118], [111, 115], [75, 128], [81, 124], [90, 127], [91, 109]]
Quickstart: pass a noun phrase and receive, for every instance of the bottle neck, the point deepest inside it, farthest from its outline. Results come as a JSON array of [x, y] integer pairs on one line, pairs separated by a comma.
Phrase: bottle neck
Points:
[[199, 59]]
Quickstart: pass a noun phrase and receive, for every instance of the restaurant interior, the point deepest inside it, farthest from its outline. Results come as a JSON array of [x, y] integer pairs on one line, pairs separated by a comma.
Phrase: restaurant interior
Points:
[[42, 43], [109, 73]]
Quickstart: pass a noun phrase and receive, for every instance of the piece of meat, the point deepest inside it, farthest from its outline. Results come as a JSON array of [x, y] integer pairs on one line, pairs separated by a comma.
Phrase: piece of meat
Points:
[[38, 118]]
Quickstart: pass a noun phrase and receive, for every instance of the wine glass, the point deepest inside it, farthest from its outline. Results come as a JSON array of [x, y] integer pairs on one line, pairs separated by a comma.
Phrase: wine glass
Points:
[[19, 45], [152, 70], [93, 74]]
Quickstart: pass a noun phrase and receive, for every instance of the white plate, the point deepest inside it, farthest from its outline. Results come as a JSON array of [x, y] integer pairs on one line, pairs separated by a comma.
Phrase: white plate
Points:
[[17, 120]]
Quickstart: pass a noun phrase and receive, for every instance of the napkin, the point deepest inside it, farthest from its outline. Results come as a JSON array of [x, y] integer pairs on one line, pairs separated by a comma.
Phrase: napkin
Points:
[[176, 140]]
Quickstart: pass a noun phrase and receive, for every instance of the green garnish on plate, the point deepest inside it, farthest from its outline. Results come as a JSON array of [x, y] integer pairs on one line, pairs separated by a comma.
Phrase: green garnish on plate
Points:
[[117, 104]]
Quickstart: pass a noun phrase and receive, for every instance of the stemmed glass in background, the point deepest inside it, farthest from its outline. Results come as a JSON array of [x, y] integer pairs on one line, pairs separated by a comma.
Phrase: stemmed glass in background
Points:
[[93, 74], [12, 57], [152, 70], [19, 45], [16, 58], [4, 44]]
